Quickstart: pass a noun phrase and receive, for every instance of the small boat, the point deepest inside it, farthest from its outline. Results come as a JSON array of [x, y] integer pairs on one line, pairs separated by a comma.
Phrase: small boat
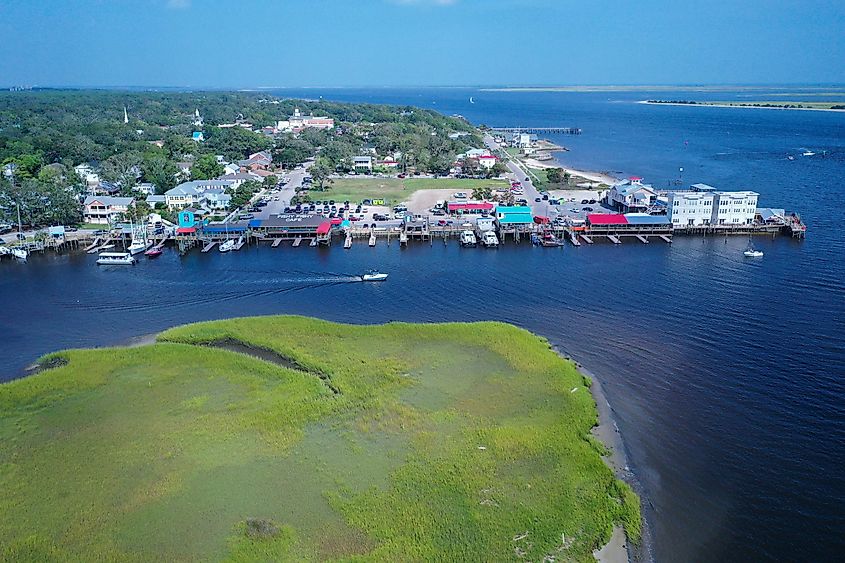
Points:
[[136, 247], [549, 239], [115, 259], [227, 246], [808, 153], [751, 253], [471, 100], [468, 239], [153, 252], [373, 275], [790, 157], [20, 254], [489, 239]]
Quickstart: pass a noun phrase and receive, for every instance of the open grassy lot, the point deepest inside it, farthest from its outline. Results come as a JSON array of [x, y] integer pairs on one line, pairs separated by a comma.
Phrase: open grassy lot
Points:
[[396, 190], [399, 442]]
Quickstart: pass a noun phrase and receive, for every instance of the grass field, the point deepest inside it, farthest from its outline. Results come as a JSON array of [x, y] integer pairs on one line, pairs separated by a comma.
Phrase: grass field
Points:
[[396, 190], [398, 442]]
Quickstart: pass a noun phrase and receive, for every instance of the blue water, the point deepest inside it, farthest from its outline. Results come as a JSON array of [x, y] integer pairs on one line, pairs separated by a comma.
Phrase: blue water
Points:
[[725, 375]]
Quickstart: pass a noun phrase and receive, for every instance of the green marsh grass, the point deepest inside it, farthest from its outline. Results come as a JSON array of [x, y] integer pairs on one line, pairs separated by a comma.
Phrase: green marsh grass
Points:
[[442, 442]]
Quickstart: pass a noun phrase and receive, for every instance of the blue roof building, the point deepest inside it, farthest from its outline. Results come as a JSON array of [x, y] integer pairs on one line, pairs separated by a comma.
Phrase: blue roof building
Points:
[[514, 215]]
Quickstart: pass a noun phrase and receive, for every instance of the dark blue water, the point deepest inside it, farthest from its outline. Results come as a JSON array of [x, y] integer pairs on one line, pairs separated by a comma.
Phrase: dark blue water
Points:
[[725, 375]]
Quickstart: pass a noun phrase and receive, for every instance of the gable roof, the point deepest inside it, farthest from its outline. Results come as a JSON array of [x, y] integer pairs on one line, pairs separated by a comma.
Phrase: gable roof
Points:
[[109, 201]]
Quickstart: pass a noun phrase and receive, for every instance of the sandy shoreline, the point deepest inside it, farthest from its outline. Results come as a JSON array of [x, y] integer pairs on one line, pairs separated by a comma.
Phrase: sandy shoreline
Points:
[[587, 175], [736, 106], [618, 549]]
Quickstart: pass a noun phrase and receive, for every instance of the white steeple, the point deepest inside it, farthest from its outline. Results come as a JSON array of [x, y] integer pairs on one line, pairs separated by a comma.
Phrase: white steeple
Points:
[[125, 115]]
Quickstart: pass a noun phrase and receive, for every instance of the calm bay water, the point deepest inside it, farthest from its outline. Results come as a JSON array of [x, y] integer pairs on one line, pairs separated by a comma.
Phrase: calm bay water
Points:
[[724, 374]]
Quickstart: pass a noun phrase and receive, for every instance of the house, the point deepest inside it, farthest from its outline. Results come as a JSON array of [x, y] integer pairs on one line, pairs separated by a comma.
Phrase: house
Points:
[[231, 168], [146, 188], [153, 200], [87, 173], [521, 140], [198, 136], [297, 122], [216, 198], [238, 179], [487, 161], [631, 195], [105, 210], [735, 208], [107, 188], [389, 163], [690, 209], [9, 169], [363, 164], [192, 193], [257, 161]]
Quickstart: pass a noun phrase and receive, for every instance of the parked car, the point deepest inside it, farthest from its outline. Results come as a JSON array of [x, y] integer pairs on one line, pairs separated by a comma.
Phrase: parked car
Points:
[[537, 200], [460, 195], [588, 209], [592, 202], [545, 196], [585, 201], [71, 229]]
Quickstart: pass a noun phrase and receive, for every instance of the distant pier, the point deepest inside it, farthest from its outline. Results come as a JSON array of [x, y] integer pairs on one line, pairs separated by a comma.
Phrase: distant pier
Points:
[[538, 130]]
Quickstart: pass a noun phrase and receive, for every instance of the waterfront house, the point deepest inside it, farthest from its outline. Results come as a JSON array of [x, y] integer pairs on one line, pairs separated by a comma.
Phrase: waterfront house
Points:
[[146, 188], [105, 210], [216, 199], [631, 195], [192, 193], [153, 200], [362, 164], [690, 209]]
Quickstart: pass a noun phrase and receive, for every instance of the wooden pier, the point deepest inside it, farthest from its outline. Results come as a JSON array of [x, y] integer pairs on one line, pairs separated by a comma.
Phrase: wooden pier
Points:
[[209, 246], [642, 239], [557, 130], [297, 242], [277, 242]]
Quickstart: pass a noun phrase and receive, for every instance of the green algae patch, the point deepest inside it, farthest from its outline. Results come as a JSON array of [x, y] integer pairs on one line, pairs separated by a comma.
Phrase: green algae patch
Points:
[[332, 442]]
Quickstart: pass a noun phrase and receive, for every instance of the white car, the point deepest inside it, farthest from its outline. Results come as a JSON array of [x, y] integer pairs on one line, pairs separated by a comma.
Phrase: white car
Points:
[[460, 195]]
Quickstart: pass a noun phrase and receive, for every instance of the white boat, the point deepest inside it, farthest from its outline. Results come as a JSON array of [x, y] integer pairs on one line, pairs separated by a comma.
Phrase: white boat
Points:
[[137, 247], [4, 250], [489, 239], [115, 259], [20, 253], [808, 153], [751, 253], [468, 238], [227, 246], [373, 275]]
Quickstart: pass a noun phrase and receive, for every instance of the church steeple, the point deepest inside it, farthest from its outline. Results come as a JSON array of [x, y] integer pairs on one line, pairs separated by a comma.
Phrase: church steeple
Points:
[[125, 115]]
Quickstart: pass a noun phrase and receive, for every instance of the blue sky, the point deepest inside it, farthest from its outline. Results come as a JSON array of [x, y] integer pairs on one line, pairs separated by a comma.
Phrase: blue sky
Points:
[[253, 43]]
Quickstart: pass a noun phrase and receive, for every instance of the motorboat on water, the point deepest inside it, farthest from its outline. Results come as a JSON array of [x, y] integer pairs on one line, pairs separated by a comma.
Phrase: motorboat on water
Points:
[[468, 239], [115, 259], [489, 239], [137, 247], [20, 253], [751, 253], [227, 246], [153, 252], [373, 275], [808, 153]]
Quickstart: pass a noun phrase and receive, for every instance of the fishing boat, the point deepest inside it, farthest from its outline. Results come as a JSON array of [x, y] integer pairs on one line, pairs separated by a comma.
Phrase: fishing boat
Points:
[[549, 239], [227, 246], [373, 275], [153, 252], [136, 247], [489, 239], [751, 253], [468, 239], [115, 259], [20, 253], [808, 153]]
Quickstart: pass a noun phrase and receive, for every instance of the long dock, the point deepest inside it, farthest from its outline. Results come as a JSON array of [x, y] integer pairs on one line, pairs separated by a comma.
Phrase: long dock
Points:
[[372, 239], [642, 239], [209, 246], [297, 242], [348, 242], [277, 242], [558, 130], [614, 239]]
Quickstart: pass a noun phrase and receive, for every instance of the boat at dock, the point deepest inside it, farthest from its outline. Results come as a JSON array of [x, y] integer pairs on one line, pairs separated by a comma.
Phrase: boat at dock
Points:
[[137, 247], [468, 239], [154, 251], [227, 246], [20, 253], [115, 259], [489, 239], [751, 253], [373, 275]]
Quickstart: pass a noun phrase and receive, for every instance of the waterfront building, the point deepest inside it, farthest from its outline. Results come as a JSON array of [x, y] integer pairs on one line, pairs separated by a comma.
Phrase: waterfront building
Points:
[[703, 205], [469, 208], [193, 192], [239, 178], [105, 210], [631, 195]]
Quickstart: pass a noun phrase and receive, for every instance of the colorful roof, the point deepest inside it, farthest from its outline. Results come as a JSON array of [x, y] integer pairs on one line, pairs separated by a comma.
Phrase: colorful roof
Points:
[[474, 206], [606, 219], [324, 228]]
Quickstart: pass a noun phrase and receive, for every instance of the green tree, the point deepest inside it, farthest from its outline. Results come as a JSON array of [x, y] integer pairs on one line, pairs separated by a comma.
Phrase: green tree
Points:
[[270, 181], [554, 175], [206, 167], [320, 173], [482, 193], [160, 171], [122, 168]]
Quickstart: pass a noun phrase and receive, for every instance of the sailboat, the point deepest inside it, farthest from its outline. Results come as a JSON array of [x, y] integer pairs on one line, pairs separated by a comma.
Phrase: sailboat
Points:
[[471, 100]]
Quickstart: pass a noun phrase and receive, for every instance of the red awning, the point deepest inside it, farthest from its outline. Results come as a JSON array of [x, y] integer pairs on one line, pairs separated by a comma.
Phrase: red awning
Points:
[[186, 230], [540, 220], [481, 206], [606, 219], [324, 228], [634, 178]]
